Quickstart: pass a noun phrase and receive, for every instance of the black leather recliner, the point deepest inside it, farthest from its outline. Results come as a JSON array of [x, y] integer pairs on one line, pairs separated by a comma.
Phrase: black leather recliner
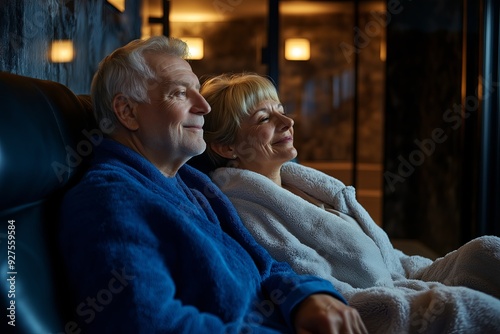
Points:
[[45, 142]]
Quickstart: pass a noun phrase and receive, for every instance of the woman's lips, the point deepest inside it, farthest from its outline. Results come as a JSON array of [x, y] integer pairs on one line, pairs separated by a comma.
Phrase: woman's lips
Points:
[[284, 140]]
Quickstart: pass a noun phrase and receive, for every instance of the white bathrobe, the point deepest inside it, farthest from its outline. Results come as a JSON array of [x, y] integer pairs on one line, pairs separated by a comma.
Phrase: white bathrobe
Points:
[[394, 292]]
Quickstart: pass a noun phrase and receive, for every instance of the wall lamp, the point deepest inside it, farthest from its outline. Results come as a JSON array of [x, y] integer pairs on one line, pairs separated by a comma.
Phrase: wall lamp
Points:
[[62, 51], [297, 49], [118, 4], [195, 45]]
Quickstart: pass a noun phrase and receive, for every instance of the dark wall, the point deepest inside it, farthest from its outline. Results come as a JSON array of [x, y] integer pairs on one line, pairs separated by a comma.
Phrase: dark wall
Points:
[[28, 26], [425, 139]]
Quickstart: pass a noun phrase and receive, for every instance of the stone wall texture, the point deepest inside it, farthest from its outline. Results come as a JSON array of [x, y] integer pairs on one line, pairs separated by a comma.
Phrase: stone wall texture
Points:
[[95, 27]]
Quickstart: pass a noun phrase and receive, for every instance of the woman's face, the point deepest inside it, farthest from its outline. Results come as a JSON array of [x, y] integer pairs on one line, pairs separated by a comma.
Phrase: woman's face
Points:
[[265, 139]]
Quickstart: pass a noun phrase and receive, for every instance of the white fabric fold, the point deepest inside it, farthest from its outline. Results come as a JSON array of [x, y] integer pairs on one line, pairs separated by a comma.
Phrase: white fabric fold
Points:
[[394, 292]]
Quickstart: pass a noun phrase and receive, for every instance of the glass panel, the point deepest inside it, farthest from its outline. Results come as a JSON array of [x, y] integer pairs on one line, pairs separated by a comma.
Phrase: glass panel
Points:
[[233, 33], [371, 103], [330, 134], [319, 92]]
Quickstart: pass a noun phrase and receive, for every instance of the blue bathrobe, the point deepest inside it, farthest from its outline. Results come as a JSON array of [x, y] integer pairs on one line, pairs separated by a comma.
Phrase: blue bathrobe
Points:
[[151, 254]]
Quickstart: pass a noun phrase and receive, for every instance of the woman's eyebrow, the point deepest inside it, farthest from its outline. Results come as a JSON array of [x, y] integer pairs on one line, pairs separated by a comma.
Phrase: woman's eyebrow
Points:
[[261, 110], [270, 108]]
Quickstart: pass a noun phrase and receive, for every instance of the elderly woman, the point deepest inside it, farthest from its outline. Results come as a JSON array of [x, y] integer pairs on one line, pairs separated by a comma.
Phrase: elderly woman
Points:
[[314, 222]]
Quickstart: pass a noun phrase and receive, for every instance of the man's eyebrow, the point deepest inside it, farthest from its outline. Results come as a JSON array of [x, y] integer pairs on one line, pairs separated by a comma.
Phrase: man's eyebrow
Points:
[[169, 83]]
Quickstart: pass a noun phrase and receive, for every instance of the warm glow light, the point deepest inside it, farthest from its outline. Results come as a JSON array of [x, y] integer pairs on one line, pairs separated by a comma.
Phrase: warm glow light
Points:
[[210, 16], [119, 4], [61, 51], [195, 45], [383, 49], [145, 32], [297, 49]]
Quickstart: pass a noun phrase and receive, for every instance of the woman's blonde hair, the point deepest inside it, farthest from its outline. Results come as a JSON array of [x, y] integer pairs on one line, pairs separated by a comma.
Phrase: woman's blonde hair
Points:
[[232, 97]]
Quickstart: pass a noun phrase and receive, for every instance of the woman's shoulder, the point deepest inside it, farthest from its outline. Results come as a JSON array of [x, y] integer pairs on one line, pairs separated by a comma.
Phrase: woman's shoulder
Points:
[[230, 177]]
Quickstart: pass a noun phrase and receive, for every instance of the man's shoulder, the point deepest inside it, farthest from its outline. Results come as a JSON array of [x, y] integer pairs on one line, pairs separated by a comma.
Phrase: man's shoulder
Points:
[[104, 183], [102, 176]]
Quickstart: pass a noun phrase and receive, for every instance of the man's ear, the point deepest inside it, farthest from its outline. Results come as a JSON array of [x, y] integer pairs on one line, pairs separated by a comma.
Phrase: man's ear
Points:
[[125, 110], [225, 151]]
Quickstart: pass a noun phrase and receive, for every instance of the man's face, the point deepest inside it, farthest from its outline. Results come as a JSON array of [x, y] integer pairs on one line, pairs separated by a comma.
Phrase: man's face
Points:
[[170, 125]]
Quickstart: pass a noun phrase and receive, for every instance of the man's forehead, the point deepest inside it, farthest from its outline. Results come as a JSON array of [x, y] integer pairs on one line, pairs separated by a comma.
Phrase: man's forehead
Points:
[[166, 63], [178, 77], [175, 75], [174, 64]]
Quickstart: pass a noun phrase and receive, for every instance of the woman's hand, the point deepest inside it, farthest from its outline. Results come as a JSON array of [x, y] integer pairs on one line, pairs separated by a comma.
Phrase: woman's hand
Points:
[[323, 314]]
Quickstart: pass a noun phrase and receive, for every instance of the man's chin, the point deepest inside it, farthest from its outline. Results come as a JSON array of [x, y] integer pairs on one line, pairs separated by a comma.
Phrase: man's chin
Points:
[[200, 150]]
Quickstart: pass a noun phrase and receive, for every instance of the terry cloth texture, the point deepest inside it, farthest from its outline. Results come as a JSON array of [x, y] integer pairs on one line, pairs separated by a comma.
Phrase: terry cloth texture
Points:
[[151, 254], [394, 292]]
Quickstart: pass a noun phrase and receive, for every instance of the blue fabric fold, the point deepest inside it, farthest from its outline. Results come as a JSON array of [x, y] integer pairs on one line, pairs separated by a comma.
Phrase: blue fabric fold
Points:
[[151, 254]]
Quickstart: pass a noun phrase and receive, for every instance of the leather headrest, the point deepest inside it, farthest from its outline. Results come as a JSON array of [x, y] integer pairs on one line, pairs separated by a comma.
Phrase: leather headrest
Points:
[[45, 137]]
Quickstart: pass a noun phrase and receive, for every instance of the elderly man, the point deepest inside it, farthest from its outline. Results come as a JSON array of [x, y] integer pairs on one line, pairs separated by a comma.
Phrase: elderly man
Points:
[[151, 244]]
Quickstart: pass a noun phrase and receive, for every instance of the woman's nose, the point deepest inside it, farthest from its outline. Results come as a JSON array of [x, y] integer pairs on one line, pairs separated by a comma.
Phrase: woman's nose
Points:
[[286, 121]]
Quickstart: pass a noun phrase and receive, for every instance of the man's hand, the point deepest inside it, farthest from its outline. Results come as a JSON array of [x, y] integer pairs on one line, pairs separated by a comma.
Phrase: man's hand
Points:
[[323, 314]]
